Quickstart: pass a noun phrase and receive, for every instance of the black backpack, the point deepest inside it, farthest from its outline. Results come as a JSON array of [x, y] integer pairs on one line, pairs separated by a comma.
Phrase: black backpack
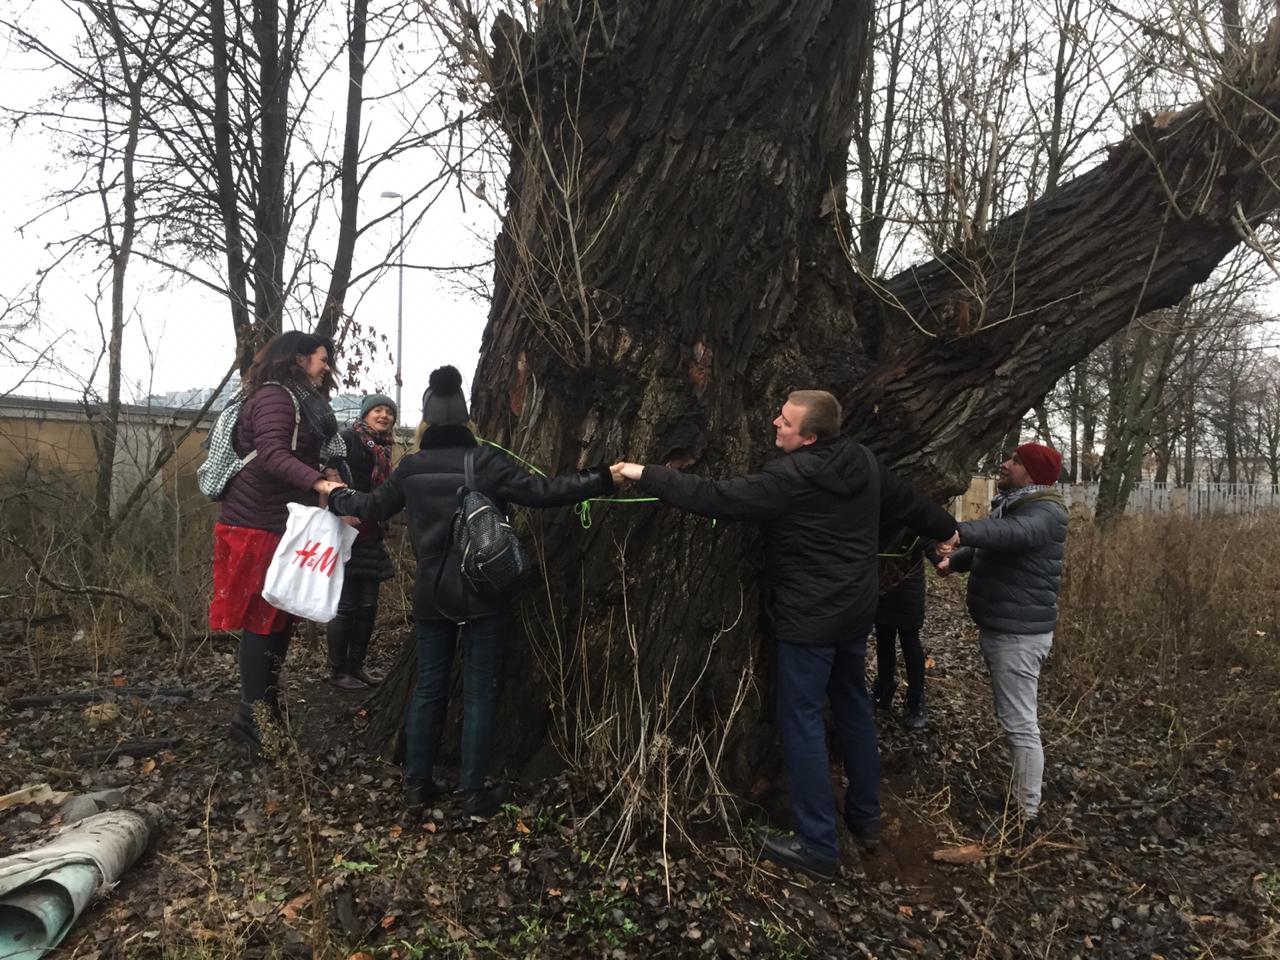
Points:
[[493, 562]]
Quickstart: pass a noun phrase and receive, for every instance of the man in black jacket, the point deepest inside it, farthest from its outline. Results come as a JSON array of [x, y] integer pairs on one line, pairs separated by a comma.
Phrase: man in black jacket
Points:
[[1015, 561], [820, 507]]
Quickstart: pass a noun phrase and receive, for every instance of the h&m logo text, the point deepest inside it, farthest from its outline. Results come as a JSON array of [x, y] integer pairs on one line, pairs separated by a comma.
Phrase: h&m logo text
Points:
[[310, 558]]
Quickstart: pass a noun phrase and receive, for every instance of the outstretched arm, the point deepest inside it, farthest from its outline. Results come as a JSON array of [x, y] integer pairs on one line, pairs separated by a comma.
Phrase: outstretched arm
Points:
[[759, 496], [905, 503], [1017, 533]]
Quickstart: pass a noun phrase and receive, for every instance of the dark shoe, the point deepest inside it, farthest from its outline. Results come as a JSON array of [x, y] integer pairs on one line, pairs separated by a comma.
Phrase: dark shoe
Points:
[[794, 853], [881, 696], [866, 832], [344, 681], [418, 795], [917, 717], [483, 804], [370, 678]]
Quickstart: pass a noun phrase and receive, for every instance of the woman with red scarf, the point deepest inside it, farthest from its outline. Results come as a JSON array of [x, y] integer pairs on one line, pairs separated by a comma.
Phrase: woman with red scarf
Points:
[[368, 443]]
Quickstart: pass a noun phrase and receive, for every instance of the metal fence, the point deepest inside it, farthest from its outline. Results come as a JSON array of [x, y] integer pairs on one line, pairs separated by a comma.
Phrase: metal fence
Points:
[[1148, 498]]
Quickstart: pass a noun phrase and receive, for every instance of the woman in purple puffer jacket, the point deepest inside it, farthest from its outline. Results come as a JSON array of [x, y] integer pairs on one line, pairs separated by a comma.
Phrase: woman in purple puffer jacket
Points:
[[287, 420]]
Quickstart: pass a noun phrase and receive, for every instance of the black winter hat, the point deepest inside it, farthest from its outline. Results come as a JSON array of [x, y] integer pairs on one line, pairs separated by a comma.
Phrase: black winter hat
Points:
[[443, 403]]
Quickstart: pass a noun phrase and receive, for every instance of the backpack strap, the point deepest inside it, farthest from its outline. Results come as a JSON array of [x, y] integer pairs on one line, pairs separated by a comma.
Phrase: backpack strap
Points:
[[468, 483], [297, 416]]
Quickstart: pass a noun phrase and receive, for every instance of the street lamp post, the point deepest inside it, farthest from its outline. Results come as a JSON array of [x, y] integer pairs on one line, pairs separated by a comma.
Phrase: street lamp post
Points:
[[393, 195]]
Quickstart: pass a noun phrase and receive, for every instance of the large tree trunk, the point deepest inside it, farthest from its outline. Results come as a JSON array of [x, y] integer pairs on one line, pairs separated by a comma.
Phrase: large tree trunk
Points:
[[672, 264]]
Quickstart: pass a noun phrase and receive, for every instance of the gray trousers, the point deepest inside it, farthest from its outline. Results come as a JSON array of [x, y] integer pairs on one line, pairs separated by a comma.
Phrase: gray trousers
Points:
[[1015, 661]]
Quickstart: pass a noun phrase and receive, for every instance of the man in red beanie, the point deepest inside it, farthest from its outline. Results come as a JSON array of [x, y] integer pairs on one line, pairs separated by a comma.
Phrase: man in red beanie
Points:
[[1014, 559]]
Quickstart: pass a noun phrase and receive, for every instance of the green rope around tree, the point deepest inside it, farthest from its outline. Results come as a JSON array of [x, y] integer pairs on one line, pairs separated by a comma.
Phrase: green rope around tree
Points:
[[583, 510]]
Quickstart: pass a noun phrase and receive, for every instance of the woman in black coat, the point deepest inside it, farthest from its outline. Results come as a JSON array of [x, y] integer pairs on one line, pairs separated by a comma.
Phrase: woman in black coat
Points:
[[899, 617], [446, 608], [368, 443]]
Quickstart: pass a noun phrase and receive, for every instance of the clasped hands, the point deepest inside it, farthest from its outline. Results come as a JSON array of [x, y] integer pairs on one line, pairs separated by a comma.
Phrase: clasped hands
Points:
[[944, 551], [623, 471]]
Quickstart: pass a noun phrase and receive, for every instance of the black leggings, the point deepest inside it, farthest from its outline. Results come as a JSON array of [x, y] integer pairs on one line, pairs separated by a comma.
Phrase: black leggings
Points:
[[886, 662]]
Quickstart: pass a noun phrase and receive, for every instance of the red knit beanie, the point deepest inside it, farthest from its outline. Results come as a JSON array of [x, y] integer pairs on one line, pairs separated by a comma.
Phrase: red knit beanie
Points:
[[1043, 463]]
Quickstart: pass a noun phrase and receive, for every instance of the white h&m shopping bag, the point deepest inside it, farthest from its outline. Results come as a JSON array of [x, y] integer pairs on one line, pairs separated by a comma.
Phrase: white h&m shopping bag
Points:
[[305, 576]]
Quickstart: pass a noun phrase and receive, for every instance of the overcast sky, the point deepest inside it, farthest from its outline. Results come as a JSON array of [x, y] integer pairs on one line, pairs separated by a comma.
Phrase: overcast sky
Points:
[[180, 335]]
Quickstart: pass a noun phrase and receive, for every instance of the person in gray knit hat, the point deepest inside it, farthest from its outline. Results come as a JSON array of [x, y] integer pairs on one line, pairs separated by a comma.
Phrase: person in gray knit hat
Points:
[[368, 441]]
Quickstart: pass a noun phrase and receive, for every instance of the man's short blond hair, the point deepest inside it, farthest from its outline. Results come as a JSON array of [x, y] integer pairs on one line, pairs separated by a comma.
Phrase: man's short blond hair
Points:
[[821, 413]]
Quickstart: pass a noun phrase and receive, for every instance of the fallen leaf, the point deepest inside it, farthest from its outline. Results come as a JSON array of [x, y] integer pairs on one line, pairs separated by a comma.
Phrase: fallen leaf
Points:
[[968, 853], [360, 955], [292, 909], [118, 681], [148, 765], [100, 714], [395, 831], [906, 910], [1206, 918], [929, 663], [520, 827]]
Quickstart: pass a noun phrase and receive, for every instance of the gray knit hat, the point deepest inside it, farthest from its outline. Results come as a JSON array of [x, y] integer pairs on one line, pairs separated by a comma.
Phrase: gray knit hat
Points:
[[443, 403], [378, 400]]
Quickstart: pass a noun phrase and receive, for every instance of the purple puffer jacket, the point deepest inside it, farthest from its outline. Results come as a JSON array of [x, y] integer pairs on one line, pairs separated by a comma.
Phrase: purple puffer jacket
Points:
[[258, 495]]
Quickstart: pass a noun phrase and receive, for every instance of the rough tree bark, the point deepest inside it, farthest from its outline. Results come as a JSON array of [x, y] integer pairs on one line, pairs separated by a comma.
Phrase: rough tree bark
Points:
[[673, 262]]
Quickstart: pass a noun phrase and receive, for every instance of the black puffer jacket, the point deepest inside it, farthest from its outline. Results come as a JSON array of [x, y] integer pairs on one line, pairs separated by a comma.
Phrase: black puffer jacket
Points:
[[1015, 564], [427, 484], [820, 508]]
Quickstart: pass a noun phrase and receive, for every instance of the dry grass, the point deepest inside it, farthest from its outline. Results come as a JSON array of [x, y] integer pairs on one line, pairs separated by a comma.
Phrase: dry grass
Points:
[[1191, 605]]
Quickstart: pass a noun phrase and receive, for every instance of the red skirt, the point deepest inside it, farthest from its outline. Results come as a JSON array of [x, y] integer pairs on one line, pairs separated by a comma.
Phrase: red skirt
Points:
[[241, 556]]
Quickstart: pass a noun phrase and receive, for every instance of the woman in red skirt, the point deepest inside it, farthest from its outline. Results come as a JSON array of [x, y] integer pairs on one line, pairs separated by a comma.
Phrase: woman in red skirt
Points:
[[286, 421]]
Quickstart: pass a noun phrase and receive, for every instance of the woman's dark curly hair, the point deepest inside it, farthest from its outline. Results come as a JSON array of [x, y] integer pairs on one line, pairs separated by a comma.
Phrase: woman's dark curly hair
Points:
[[278, 361]]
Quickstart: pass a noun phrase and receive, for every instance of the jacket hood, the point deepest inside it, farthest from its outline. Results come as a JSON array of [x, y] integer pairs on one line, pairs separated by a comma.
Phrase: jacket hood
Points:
[[838, 466], [1053, 496]]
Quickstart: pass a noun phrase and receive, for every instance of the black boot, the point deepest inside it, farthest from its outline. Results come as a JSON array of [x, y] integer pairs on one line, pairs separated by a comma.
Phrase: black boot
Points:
[[882, 694], [917, 717], [259, 673], [277, 649], [336, 634], [358, 646]]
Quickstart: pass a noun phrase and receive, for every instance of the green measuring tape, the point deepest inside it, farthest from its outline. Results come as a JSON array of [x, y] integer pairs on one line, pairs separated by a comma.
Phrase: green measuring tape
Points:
[[581, 510]]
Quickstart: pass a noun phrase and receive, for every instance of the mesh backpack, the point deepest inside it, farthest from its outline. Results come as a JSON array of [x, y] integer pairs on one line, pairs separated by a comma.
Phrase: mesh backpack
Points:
[[493, 562], [222, 462]]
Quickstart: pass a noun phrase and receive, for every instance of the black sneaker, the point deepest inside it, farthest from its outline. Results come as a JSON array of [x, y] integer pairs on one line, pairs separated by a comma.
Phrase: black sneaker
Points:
[[866, 832], [345, 681], [794, 853], [483, 804], [370, 678]]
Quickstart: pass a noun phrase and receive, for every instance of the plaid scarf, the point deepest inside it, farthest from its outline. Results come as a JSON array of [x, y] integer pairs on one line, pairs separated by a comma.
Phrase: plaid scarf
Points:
[[379, 446], [1008, 498]]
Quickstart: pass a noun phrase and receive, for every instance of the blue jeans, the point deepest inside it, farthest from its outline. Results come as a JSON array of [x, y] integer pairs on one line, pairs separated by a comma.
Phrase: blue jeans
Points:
[[485, 639], [807, 675]]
